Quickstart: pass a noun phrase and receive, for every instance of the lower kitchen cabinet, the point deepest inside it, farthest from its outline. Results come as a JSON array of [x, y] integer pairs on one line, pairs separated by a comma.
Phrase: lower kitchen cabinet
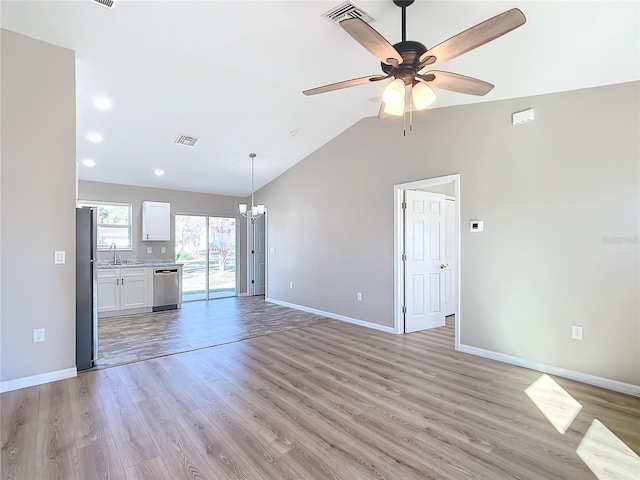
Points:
[[123, 289]]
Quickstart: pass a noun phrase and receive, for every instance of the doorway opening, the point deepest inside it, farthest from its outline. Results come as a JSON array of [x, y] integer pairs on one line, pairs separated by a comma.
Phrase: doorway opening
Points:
[[206, 247], [427, 254], [257, 256]]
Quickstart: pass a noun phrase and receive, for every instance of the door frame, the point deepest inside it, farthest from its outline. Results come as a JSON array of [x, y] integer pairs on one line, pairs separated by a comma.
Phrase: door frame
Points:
[[237, 249], [250, 267], [398, 247]]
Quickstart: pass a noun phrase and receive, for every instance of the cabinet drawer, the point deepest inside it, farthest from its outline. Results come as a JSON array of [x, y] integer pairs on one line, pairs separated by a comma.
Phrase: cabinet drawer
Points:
[[134, 272], [108, 272]]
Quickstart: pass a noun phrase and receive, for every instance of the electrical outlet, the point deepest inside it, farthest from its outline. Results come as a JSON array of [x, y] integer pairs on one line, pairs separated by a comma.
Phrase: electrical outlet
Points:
[[576, 332], [290, 284], [38, 335], [359, 296], [58, 257], [163, 249], [149, 249]]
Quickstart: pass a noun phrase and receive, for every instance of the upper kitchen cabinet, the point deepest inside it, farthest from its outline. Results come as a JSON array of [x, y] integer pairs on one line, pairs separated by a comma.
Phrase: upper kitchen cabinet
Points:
[[156, 221]]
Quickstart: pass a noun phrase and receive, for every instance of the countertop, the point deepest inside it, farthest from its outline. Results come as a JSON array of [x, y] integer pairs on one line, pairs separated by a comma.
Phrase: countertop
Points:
[[126, 263]]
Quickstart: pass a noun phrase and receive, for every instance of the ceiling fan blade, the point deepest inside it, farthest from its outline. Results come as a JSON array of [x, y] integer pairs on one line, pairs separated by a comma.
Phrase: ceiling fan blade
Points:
[[347, 83], [455, 82], [370, 39], [473, 37]]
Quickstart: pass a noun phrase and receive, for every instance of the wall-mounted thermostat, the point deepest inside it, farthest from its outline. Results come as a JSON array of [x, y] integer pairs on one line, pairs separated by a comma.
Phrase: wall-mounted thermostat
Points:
[[476, 225]]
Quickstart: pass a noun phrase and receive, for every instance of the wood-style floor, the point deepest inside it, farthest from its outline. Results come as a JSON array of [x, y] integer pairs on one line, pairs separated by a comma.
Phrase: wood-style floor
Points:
[[126, 339], [327, 401]]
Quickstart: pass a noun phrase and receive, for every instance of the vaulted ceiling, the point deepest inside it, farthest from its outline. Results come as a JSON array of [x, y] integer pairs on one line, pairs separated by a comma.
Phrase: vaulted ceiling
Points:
[[232, 73]]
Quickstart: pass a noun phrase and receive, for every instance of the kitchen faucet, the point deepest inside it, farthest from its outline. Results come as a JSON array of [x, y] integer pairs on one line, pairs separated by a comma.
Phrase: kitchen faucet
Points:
[[115, 253]]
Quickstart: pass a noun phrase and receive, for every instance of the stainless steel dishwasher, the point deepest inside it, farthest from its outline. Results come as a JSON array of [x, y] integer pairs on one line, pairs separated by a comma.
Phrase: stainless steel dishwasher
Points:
[[166, 288]]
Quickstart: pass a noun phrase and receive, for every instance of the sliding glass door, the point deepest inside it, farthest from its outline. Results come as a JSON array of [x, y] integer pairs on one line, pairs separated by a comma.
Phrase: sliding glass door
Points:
[[206, 247], [222, 257]]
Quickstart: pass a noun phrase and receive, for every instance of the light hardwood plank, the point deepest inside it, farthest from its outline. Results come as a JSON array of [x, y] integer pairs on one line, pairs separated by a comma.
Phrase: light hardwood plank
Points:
[[153, 469], [89, 420], [56, 454], [180, 456], [19, 424], [100, 461]]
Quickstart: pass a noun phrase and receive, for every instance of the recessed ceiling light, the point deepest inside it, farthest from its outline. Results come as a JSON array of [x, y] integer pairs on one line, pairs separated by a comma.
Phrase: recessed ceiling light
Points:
[[89, 163], [94, 137], [158, 172], [102, 103]]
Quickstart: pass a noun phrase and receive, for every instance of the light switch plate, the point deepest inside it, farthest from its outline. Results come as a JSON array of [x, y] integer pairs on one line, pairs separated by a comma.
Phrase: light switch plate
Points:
[[163, 249], [149, 249], [59, 257], [272, 249]]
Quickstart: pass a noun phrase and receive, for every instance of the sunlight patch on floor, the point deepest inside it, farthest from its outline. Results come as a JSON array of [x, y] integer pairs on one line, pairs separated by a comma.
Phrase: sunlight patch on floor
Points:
[[554, 402], [607, 456]]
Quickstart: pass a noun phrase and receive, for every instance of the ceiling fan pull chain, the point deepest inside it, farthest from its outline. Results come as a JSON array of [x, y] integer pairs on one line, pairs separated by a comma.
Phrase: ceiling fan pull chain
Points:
[[404, 124]]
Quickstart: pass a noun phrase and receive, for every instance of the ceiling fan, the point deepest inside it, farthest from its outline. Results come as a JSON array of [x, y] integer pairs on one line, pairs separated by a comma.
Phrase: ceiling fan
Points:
[[405, 60]]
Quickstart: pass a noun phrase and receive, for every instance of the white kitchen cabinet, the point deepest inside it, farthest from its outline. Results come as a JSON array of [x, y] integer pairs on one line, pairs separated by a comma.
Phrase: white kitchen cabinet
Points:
[[123, 289], [135, 289], [156, 221], [108, 290]]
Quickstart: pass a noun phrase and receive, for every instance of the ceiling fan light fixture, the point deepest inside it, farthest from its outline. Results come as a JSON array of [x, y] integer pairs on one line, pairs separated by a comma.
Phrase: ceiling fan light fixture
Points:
[[394, 93], [395, 110], [422, 95]]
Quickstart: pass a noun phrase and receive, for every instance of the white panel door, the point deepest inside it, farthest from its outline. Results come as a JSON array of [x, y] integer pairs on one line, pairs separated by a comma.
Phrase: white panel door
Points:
[[259, 256], [450, 302], [424, 250]]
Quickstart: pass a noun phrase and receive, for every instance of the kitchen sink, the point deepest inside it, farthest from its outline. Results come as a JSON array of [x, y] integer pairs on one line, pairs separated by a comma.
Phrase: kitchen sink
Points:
[[130, 262]]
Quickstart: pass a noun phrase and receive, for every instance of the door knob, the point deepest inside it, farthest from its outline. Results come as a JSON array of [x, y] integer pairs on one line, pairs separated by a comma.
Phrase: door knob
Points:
[[444, 265]]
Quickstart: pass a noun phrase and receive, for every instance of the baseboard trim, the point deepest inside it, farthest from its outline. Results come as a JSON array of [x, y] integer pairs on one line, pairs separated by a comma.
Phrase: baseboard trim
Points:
[[607, 383], [334, 316], [24, 382], [244, 294]]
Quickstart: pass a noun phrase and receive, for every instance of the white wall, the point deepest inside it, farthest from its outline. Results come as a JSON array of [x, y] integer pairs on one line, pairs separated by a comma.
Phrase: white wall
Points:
[[549, 193], [37, 207]]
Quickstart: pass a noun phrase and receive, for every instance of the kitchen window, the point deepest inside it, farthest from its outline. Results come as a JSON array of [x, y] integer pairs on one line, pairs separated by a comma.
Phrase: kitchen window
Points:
[[114, 224]]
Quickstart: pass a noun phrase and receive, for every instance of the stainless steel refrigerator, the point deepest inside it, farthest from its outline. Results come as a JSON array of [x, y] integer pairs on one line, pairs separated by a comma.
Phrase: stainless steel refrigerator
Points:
[[86, 288]]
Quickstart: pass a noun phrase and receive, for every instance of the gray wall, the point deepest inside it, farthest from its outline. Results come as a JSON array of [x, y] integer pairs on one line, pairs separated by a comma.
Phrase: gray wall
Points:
[[549, 192], [37, 206], [181, 202], [445, 188]]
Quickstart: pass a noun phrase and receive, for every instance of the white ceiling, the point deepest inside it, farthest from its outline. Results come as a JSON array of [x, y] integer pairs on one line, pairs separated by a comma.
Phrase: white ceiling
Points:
[[232, 73]]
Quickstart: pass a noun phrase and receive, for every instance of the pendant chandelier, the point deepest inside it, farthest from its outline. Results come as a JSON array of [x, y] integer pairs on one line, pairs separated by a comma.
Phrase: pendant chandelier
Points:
[[256, 210]]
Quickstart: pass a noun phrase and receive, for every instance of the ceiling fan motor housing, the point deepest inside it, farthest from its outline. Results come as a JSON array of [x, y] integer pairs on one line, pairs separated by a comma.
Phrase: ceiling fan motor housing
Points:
[[410, 52]]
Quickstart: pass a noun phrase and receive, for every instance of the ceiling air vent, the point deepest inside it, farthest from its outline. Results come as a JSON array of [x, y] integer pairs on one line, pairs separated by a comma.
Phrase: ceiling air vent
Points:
[[345, 11], [106, 3], [187, 140]]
